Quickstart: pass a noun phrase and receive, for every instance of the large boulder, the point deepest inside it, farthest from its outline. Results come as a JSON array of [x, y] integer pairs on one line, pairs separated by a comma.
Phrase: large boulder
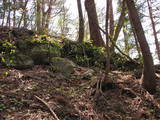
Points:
[[24, 46], [62, 65], [41, 54], [21, 61]]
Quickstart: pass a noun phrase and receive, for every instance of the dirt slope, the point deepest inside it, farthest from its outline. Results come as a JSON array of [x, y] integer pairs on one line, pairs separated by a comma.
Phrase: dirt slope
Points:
[[73, 98]]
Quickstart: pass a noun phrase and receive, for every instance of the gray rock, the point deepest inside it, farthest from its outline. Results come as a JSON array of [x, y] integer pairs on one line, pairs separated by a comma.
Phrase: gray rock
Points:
[[21, 61], [62, 65]]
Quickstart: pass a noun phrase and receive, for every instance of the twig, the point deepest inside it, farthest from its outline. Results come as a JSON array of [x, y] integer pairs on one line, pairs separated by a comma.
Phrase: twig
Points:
[[50, 109], [106, 116]]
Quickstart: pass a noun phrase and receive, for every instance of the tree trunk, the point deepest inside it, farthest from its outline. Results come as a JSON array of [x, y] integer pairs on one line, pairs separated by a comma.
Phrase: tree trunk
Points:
[[23, 13], [4, 11], [148, 77], [137, 45], [14, 13], [136, 41], [43, 14], [126, 39], [129, 58], [48, 17], [63, 22], [9, 15], [38, 15], [154, 28], [107, 40], [111, 19], [81, 22], [95, 34], [118, 27]]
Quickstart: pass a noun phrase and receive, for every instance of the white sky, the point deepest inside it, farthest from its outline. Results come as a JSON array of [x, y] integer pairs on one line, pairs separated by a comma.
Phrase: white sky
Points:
[[72, 4]]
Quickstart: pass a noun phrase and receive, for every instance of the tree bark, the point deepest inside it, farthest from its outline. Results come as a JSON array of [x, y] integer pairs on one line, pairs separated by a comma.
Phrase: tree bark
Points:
[[137, 45], [111, 19], [154, 28], [43, 14], [4, 11], [95, 34], [25, 13], [14, 13], [38, 15], [81, 22], [126, 39], [148, 80], [107, 40], [136, 40], [48, 17], [9, 15]]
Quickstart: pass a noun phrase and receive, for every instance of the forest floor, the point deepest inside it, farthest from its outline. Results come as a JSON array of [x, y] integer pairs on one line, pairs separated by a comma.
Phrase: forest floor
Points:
[[32, 95]]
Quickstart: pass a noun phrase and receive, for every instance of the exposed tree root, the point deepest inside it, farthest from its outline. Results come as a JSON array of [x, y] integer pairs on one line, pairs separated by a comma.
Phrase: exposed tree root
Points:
[[50, 109]]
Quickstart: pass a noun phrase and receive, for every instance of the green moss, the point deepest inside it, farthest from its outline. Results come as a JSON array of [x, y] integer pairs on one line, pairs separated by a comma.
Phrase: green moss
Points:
[[2, 107], [62, 65], [84, 54]]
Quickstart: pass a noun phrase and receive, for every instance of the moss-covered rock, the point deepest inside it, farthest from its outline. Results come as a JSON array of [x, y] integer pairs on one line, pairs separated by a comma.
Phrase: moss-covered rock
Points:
[[24, 45], [84, 54], [62, 65], [21, 61], [43, 53]]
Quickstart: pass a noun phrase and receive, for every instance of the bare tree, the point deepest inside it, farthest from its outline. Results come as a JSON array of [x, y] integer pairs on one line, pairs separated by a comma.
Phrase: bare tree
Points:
[[153, 27], [148, 77], [44, 14]]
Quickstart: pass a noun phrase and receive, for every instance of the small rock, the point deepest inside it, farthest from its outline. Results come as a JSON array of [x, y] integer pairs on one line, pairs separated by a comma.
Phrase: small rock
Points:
[[62, 65]]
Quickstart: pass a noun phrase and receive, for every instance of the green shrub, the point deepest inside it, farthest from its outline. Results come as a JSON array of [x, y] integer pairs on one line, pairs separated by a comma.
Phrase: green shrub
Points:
[[84, 54], [2, 107], [120, 62], [7, 52]]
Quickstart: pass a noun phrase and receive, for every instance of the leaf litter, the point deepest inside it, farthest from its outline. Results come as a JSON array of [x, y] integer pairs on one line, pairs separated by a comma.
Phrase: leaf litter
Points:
[[73, 98]]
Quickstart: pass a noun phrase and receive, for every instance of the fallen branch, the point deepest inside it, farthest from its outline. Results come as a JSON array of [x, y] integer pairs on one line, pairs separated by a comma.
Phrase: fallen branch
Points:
[[50, 109], [129, 92], [106, 116]]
